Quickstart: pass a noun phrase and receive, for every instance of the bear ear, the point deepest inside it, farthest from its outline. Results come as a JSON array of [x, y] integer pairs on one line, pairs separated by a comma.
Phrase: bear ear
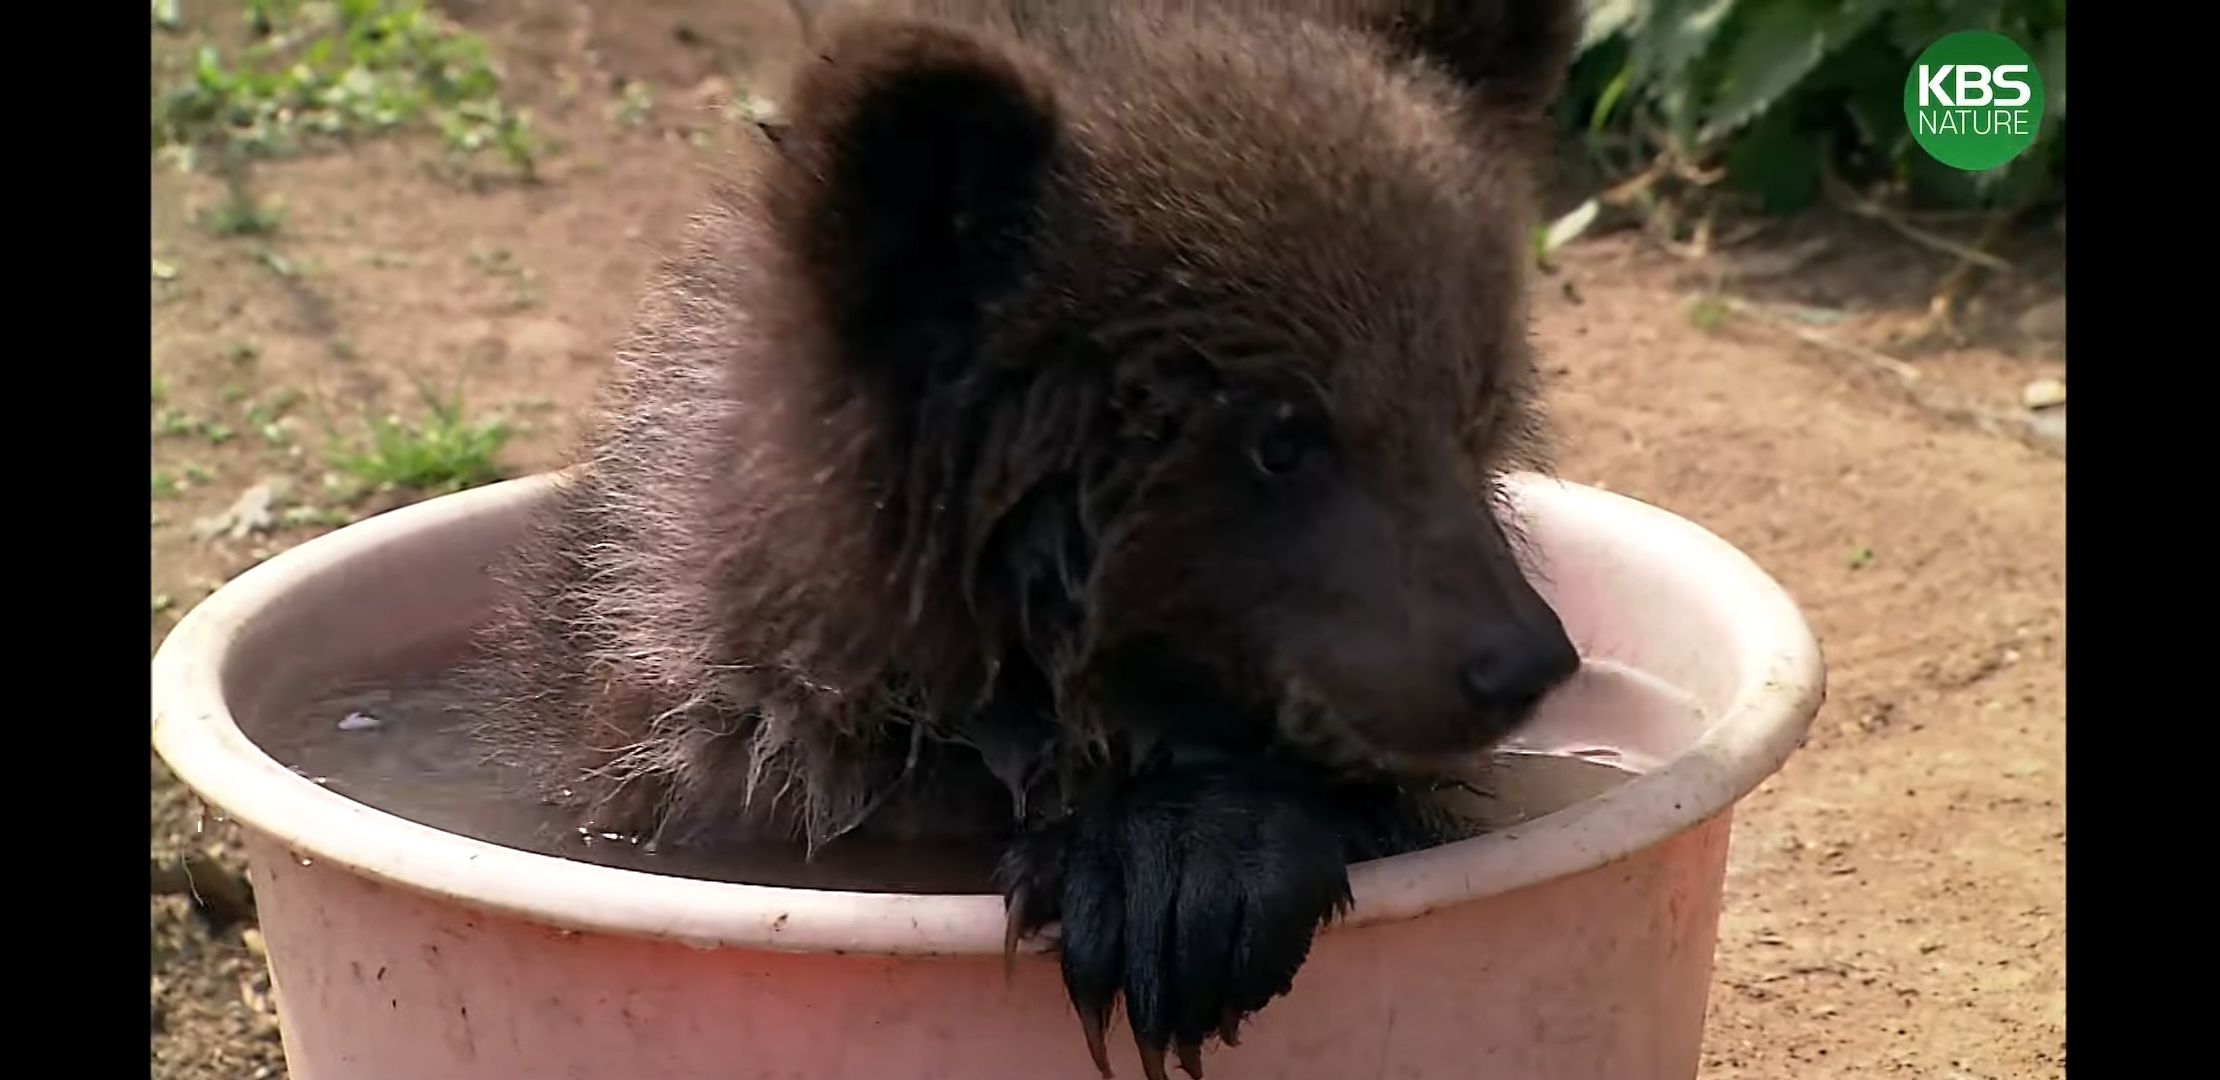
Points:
[[907, 160], [1512, 53]]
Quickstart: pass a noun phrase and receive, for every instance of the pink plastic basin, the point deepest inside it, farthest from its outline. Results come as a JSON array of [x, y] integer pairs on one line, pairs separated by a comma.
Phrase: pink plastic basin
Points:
[[1577, 946]]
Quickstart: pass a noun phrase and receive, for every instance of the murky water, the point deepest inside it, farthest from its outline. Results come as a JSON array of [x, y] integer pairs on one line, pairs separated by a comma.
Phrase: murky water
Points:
[[397, 747]]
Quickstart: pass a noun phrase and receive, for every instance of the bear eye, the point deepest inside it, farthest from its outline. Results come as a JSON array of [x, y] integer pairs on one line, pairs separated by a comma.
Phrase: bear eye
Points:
[[1284, 446], [1279, 451]]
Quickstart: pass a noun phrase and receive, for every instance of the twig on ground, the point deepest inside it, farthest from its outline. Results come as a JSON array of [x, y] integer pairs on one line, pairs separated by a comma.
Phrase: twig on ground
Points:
[[1943, 306], [1660, 212], [1669, 155], [1626, 192], [1841, 194], [1903, 380]]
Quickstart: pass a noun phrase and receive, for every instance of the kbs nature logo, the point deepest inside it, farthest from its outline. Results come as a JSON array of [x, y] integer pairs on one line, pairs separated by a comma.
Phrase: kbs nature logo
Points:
[[1974, 100]]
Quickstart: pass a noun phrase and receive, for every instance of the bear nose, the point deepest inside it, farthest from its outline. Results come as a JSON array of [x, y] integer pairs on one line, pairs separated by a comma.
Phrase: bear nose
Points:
[[1514, 677]]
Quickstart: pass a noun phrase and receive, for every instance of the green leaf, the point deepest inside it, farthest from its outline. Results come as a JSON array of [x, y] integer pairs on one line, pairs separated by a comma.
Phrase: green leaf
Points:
[[1919, 23], [1781, 44], [2050, 61], [1605, 18], [1777, 161], [1608, 100], [1671, 38], [1677, 33]]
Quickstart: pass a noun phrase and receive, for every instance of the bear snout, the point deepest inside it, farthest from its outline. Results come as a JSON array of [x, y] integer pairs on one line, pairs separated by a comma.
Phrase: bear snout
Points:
[[1508, 678], [1462, 679]]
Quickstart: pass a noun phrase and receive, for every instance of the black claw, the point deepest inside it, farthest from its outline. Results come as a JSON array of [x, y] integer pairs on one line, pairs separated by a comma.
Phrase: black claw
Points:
[[1193, 899], [1152, 1058], [1092, 1024], [1014, 929], [1190, 1057]]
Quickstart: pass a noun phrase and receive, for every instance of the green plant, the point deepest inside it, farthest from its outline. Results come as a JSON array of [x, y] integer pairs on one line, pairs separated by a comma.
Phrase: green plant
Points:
[[1778, 91], [317, 71], [635, 105], [444, 452], [1708, 313], [241, 215]]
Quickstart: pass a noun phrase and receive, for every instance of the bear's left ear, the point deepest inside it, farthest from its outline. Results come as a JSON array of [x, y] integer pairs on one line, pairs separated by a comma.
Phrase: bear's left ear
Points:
[[908, 158]]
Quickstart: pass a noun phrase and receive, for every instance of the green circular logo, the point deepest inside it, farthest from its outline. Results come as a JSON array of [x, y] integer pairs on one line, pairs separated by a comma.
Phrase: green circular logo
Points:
[[1974, 100]]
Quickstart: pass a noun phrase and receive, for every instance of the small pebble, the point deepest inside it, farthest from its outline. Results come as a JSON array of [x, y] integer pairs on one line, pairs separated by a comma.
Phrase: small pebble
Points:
[[356, 721], [2043, 394]]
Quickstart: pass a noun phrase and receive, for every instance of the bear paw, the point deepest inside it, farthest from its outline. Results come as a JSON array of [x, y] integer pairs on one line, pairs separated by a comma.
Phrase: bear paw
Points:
[[1193, 896]]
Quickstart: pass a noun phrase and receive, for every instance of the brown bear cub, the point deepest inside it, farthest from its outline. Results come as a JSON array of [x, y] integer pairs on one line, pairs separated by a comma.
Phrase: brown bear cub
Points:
[[1081, 429]]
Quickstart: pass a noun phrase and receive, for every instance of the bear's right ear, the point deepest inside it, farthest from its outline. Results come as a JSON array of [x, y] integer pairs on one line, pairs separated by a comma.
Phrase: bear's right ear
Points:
[[1513, 53], [909, 157]]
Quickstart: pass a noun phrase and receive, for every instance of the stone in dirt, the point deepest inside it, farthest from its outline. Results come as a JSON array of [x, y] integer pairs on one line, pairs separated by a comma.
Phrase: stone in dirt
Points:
[[2043, 394], [255, 511]]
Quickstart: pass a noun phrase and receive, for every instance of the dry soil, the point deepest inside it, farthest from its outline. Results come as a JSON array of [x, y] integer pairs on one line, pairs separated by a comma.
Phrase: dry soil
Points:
[[1897, 893]]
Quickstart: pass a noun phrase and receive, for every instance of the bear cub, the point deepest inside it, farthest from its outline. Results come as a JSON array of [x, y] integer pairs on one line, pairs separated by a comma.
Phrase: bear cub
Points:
[[1079, 425]]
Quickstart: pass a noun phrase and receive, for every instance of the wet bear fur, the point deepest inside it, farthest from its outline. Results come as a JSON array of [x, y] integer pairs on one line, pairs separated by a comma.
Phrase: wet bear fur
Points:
[[1078, 424]]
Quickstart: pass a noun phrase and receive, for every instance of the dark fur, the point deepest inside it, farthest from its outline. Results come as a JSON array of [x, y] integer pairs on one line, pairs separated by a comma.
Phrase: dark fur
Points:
[[1080, 427]]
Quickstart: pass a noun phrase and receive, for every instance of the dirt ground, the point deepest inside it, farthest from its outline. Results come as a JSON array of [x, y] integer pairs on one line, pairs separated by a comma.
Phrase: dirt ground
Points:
[[1897, 893]]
